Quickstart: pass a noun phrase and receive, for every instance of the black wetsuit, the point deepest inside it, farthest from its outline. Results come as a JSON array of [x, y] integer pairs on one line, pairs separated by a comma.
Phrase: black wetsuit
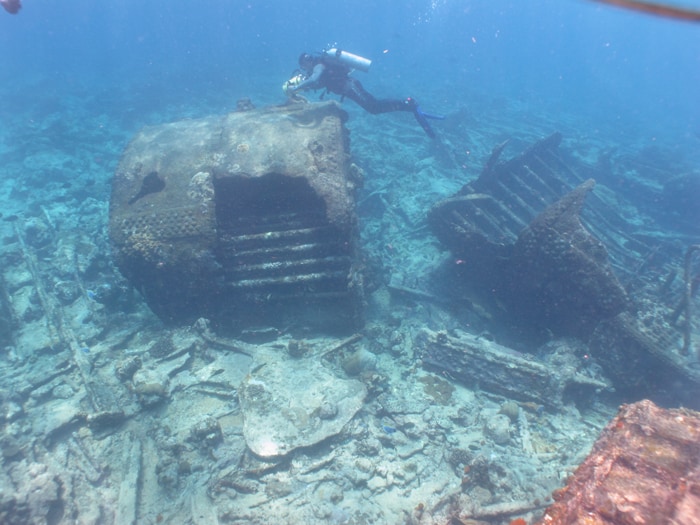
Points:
[[341, 83], [333, 77], [336, 79]]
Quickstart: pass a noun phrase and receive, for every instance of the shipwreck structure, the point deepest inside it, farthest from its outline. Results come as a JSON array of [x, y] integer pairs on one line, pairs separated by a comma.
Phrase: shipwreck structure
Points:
[[518, 230], [547, 267], [242, 218]]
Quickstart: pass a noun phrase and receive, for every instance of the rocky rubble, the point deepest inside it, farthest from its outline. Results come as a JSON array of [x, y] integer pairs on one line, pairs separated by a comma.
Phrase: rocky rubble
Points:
[[131, 422]]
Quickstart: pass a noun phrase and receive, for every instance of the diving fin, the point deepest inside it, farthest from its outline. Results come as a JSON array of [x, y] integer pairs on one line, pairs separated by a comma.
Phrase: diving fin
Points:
[[422, 119]]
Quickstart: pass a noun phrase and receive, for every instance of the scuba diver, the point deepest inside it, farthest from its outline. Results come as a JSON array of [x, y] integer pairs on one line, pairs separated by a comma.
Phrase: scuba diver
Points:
[[331, 71]]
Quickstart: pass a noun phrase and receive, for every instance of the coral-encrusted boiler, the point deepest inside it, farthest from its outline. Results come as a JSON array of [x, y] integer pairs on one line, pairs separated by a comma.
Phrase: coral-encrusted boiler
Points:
[[243, 218]]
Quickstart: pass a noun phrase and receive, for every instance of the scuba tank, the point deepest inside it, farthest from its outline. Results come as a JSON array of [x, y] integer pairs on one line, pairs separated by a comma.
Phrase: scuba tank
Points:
[[348, 59]]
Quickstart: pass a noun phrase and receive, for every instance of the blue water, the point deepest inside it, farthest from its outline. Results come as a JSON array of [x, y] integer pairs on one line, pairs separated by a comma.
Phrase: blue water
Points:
[[84, 76], [573, 55]]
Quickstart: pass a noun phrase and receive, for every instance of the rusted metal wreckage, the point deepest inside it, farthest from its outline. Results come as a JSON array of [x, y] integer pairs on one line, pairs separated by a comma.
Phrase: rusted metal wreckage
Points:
[[644, 468], [519, 232]]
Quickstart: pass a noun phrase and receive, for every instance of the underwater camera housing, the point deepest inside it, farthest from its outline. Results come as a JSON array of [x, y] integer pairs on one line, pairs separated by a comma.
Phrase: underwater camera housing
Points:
[[289, 85], [348, 59]]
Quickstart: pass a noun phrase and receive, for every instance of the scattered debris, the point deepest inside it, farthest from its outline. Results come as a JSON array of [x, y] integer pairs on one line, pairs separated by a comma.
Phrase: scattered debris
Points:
[[483, 364]]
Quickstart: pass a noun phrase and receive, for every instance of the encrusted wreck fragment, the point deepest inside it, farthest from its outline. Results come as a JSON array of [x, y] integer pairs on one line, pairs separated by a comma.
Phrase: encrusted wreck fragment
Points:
[[637, 353], [491, 211], [7, 321], [247, 217], [554, 277], [478, 362], [558, 276], [549, 272], [566, 270], [644, 468]]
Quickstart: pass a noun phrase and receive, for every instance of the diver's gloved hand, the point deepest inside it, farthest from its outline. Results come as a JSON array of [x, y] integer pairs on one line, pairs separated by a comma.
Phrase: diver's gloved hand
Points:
[[422, 117]]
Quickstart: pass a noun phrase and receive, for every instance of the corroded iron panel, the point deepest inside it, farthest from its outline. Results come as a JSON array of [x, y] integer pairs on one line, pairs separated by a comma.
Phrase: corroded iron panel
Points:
[[644, 468]]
